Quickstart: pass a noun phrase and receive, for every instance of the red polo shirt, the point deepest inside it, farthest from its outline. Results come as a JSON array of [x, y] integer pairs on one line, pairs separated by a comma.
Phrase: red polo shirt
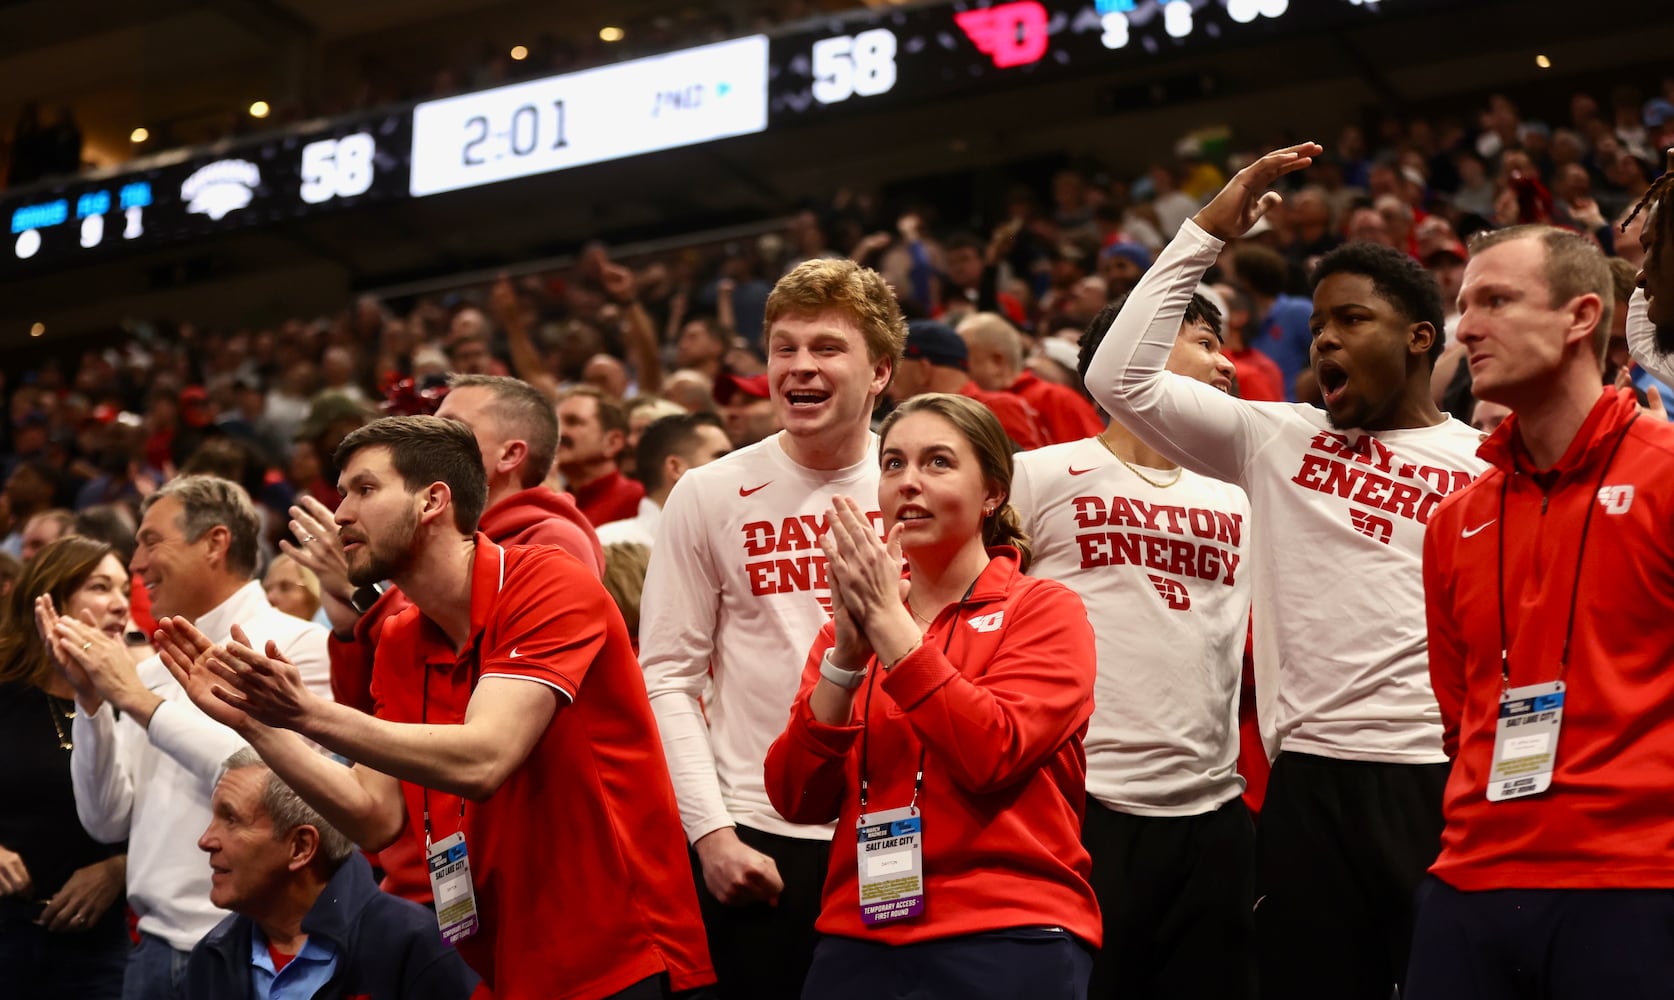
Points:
[[579, 861]]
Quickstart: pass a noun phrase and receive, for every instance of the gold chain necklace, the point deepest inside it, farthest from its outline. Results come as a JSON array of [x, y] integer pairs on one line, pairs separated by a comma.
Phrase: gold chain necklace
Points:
[[68, 715], [1178, 471]]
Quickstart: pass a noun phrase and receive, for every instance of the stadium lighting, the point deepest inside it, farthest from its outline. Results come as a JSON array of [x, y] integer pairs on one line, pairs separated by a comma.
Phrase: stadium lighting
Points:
[[259, 109], [611, 33], [519, 53], [1543, 62], [139, 135], [37, 329]]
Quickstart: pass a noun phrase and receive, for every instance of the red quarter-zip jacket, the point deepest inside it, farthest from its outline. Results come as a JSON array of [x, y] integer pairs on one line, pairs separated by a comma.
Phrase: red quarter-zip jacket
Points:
[[1000, 718], [1607, 821]]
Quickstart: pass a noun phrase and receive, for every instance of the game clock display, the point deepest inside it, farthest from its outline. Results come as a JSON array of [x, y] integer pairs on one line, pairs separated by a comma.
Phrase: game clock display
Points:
[[642, 106]]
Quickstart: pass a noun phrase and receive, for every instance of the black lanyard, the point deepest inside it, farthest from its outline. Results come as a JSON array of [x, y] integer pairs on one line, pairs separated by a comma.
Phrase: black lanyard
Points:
[[1581, 553], [424, 707], [424, 790], [866, 714]]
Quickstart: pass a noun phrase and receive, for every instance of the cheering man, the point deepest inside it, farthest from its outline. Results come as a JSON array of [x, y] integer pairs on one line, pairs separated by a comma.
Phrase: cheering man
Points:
[[1339, 500]]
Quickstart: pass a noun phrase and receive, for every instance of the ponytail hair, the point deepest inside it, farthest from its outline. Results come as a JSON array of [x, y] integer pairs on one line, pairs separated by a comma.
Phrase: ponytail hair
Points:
[[978, 425]]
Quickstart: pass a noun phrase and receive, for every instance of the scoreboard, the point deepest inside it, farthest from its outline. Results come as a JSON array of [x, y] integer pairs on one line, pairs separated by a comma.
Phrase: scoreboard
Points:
[[832, 65]]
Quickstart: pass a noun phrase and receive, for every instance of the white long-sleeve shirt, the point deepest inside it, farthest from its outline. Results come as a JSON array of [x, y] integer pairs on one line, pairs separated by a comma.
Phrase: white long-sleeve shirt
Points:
[[1162, 571], [737, 591], [1341, 664], [1642, 340], [152, 784]]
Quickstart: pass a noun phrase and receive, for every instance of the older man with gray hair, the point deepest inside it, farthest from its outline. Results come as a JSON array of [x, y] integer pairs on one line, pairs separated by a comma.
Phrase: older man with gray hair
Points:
[[144, 758], [308, 919]]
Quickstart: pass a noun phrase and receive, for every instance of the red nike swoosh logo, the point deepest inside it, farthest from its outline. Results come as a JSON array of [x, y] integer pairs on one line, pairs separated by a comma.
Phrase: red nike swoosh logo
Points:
[[1080, 472], [744, 492]]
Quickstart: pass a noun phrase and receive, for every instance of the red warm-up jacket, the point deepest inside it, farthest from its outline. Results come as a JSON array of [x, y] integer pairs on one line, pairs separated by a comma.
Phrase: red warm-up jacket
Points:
[[1001, 717], [1606, 821], [536, 516]]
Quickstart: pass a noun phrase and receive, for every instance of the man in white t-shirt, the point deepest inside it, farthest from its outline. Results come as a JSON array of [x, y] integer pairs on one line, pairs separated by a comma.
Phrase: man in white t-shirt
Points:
[[1157, 554], [1339, 500], [737, 591]]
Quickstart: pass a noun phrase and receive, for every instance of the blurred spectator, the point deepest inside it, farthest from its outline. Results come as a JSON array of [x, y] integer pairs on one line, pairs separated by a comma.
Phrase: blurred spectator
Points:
[[670, 447], [1281, 330], [624, 580], [592, 431], [746, 409], [292, 588], [995, 357], [43, 529]]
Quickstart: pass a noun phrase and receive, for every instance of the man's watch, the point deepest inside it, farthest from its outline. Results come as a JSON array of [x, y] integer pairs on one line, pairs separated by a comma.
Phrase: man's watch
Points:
[[848, 680], [363, 598]]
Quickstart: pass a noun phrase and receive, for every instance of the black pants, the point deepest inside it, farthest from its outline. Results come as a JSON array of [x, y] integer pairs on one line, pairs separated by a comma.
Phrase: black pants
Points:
[[656, 988], [1176, 894], [1037, 963], [1341, 848], [1554, 944], [762, 952]]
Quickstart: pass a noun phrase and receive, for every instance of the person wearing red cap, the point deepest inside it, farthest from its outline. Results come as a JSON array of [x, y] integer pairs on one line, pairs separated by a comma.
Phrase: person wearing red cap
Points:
[[936, 360], [746, 410], [735, 594]]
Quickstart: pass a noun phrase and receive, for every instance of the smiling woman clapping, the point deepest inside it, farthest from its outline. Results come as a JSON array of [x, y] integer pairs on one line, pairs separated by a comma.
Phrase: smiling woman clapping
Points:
[[939, 723]]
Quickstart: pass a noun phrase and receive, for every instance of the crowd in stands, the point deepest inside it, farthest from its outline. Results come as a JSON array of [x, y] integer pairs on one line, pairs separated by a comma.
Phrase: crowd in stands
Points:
[[423, 598], [112, 423]]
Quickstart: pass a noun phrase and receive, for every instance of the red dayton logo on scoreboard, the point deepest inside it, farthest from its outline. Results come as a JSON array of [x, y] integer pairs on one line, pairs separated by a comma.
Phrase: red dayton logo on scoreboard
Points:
[[1013, 33]]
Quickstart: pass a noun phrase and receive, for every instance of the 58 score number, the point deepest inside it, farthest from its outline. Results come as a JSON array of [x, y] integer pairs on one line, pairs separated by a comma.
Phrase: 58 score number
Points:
[[860, 65]]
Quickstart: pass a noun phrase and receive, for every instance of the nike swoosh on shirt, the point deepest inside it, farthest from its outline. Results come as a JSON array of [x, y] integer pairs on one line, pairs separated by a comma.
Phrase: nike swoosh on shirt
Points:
[[744, 492], [1468, 532], [514, 654], [1080, 472]]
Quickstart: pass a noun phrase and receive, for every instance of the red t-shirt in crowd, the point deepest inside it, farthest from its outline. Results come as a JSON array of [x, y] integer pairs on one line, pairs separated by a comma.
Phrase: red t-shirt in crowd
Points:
[[583, 882], [1017, 418], [1065, 415], [1259, 378], [611, 497]]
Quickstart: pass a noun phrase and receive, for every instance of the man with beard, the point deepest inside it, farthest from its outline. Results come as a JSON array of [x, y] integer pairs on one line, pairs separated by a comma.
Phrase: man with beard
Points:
[[517, 434], [1553, 878], [1339, 500], [510, 683]]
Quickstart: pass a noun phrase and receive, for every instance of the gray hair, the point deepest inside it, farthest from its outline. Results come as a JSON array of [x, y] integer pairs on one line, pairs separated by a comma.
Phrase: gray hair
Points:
[[208, 502], [287, 810]]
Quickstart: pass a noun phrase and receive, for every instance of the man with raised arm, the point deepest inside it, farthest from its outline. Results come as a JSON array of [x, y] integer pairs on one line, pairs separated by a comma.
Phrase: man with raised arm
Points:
[[1339, 500], [737, 591]]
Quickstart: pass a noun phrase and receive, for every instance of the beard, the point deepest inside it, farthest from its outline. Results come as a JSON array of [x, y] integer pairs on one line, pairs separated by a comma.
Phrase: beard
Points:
[[385, 558]]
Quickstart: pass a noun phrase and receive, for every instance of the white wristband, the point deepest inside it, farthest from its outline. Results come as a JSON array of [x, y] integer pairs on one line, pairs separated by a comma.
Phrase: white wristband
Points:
[[848, 680]]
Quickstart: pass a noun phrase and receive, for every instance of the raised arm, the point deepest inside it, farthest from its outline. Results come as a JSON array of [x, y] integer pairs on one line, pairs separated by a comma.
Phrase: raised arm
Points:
[[1642, 339], [1191, 423]]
